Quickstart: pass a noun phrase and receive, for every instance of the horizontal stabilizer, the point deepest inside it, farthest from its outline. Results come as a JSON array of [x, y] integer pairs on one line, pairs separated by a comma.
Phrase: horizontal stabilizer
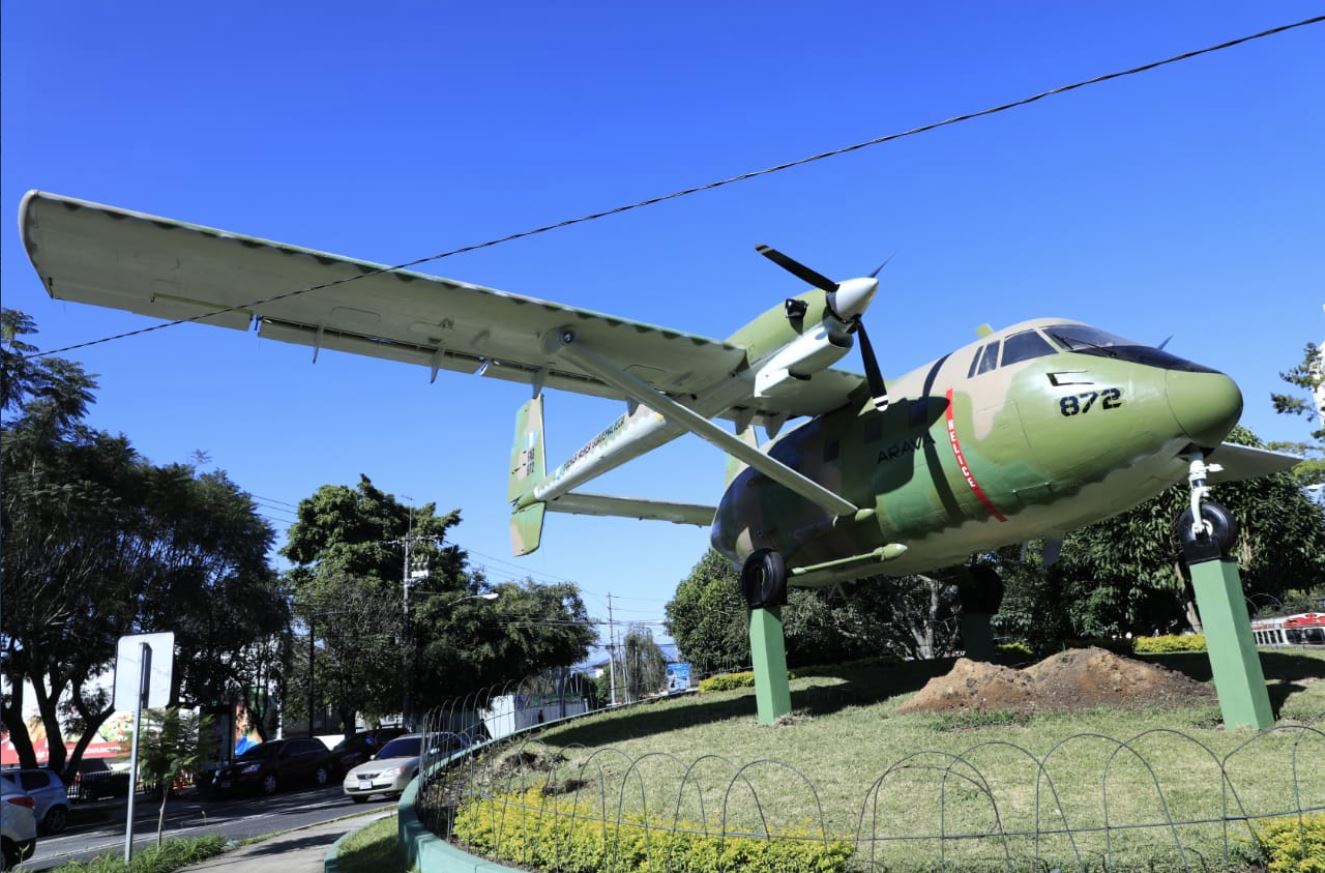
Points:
[[1248, 462], [632, 507]]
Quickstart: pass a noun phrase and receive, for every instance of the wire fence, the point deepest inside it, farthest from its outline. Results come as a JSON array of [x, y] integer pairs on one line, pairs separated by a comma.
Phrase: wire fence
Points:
[[1159, 799]]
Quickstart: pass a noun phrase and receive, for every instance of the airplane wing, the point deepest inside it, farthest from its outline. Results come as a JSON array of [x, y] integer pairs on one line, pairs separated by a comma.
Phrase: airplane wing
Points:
[[1248, 462], [168, 269]]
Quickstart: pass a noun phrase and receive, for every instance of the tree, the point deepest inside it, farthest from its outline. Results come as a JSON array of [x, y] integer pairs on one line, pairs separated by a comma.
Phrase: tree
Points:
[[1307, 376], [349, 547], [100, 543], [173, 744], [643, 667], [911, 617]]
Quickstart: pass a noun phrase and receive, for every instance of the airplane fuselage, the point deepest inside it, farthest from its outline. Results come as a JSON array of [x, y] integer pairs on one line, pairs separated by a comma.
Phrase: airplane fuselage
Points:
[[980, 449]]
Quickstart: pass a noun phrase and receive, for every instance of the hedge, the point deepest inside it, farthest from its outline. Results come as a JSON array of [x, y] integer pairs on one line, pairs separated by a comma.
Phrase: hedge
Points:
[[1288, 846], [746, 679], [727, 682], [1168, 643], [558, 833]]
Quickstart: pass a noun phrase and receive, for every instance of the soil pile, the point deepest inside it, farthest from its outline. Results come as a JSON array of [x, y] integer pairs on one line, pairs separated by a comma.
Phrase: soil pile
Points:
[[1075, 680]]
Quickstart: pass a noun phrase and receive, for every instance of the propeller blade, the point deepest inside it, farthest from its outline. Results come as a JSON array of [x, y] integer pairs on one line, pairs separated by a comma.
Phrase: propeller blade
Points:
[[873, 377], [1166, 341], [797, 269], [879, 269]]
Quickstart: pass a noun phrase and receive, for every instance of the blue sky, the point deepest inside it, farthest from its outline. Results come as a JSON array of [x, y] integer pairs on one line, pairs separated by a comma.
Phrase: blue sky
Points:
[[1185, 201]]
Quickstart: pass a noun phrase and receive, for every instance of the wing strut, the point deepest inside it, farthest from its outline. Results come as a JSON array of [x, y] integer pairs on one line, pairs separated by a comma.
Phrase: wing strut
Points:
[[563, 341]]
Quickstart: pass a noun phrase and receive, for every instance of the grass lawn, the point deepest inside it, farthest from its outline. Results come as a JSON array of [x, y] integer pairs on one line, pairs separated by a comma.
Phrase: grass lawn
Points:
[[373, 849], [828, 768]]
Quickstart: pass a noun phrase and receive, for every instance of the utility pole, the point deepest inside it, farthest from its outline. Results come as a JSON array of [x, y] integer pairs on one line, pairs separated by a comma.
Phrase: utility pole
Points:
[[311, 641], [611, 649]]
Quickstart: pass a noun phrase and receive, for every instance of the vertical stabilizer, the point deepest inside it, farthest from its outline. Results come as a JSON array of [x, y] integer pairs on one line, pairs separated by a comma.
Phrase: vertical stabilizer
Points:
[[528, 468]]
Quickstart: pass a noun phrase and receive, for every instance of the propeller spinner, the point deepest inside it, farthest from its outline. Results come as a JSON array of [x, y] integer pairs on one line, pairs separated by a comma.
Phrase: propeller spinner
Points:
[[848, 301]]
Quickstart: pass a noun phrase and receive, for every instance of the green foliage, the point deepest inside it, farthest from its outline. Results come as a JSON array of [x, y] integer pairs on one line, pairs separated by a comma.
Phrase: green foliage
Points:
[[910, 617], [643, 667], [1306, 376], [1288, 845], [557, 832], [1168, 643], [727, 682], [174, 744], [1016, 649], [99, 543], [170, 855]]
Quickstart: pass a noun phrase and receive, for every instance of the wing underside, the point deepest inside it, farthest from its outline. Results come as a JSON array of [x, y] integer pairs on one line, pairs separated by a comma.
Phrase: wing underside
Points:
[[168, 269]]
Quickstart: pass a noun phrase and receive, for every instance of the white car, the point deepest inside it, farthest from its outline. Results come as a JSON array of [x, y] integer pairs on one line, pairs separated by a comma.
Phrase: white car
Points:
[[389, 772], [45, 787], [18, 828]]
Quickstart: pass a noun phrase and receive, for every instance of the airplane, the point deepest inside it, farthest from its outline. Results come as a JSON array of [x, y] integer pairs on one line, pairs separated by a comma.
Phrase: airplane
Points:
[[1026, 433]]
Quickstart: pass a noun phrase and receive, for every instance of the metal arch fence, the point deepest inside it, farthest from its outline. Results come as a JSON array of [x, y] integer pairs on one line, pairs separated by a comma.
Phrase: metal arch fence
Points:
[[1091, 802]]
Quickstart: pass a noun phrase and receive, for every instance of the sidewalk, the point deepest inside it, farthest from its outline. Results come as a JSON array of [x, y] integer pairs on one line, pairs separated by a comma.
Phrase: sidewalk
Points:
[[298, 851]]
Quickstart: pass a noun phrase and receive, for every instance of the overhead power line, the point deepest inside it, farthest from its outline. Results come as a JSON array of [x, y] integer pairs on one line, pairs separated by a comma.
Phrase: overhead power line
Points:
[[696, 189]]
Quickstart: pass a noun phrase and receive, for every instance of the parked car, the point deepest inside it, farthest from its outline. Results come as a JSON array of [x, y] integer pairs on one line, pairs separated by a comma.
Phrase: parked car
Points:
[[18, 825], [350, 753], [271, 766], [394, 766], [95, 779], [47, 789]]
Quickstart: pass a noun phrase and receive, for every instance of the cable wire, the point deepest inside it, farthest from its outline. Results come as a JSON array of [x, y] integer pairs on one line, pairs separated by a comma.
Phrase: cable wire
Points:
[[696, 189]]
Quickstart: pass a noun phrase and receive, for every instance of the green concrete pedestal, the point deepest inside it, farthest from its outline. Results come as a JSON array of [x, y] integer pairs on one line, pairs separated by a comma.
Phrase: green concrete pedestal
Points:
[[977, 635], [768, 650], [1239, 681]]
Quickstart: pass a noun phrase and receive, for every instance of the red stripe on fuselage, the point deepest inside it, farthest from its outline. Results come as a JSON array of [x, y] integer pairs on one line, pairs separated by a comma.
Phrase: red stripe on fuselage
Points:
[[965, 468]]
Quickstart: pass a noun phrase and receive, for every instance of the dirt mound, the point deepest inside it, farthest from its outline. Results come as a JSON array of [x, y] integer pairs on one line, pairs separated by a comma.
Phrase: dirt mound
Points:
[[1074, 680]]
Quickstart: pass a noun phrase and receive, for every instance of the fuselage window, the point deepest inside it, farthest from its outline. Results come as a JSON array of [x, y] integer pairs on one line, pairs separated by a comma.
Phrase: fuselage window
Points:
[[989, 360], [1024, 346]]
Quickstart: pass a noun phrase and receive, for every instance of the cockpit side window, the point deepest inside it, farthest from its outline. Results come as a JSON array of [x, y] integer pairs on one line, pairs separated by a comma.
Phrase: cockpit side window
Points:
[[1024, 346], [989, 360], [986, 359]]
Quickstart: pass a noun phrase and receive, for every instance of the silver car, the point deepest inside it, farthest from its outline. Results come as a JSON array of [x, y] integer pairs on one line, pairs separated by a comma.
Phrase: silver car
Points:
[[18, 826], [45, 787], [389, 772]]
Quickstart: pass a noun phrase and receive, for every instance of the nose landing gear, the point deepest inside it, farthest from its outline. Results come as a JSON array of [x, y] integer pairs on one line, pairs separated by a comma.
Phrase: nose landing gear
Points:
[[1206, 533]]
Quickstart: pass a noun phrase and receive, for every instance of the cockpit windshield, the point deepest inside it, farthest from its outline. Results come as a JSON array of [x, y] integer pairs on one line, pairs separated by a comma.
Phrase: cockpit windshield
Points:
[[1087, 340]]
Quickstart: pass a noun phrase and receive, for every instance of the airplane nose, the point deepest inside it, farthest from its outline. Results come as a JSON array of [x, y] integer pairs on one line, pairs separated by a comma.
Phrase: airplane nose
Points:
[[1206, 405]]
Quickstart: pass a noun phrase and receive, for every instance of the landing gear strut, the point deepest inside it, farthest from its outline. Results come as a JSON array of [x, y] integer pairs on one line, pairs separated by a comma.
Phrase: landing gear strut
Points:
[[764, 584], [1206, 533]]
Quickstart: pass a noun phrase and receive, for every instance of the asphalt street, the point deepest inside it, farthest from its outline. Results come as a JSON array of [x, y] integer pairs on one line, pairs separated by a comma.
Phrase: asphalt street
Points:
[[95, 832]]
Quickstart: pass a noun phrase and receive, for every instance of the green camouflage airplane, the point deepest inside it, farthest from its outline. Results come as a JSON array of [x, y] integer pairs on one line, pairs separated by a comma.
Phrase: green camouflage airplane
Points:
[[1026, 433]]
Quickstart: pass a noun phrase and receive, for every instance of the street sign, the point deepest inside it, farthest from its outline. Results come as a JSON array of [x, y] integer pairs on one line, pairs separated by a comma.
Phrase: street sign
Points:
[[129, 665]]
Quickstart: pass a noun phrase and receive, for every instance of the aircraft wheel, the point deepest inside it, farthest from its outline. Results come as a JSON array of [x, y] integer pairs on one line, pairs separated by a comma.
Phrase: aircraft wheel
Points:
[[1223, 530], [764, 579]]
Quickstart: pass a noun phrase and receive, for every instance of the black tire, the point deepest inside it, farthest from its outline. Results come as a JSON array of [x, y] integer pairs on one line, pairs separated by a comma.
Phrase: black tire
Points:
[[359, 798], [11, 853], [1223, 532], [321, 777], [270, 784], [764, 579], [56, 820]]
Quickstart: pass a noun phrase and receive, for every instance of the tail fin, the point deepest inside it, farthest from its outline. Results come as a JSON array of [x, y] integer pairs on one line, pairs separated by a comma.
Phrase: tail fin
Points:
[[528, 468]]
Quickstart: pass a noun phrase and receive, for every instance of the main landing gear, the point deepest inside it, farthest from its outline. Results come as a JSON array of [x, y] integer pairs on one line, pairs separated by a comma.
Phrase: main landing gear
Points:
[[764, 584], [1205, 533]]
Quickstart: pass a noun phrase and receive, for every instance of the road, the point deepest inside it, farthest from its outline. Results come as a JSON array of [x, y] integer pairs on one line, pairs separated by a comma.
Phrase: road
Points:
[[235, 819]]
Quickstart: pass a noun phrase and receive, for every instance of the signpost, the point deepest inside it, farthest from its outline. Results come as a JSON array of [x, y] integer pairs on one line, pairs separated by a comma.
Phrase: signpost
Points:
[[143, 666]]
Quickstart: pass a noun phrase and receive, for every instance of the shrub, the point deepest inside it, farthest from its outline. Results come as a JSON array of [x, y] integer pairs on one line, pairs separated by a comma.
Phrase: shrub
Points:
[[727, 682], [1016, 649], [559, 833], [1287, 846], [170, 855], [1168, 643]]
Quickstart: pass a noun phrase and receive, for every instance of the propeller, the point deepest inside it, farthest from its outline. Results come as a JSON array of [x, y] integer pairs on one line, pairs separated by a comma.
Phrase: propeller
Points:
[[847, 301]]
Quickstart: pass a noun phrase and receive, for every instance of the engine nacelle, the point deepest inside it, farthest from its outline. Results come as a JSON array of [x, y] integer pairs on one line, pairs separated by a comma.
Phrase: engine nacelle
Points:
[[814, 350]]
